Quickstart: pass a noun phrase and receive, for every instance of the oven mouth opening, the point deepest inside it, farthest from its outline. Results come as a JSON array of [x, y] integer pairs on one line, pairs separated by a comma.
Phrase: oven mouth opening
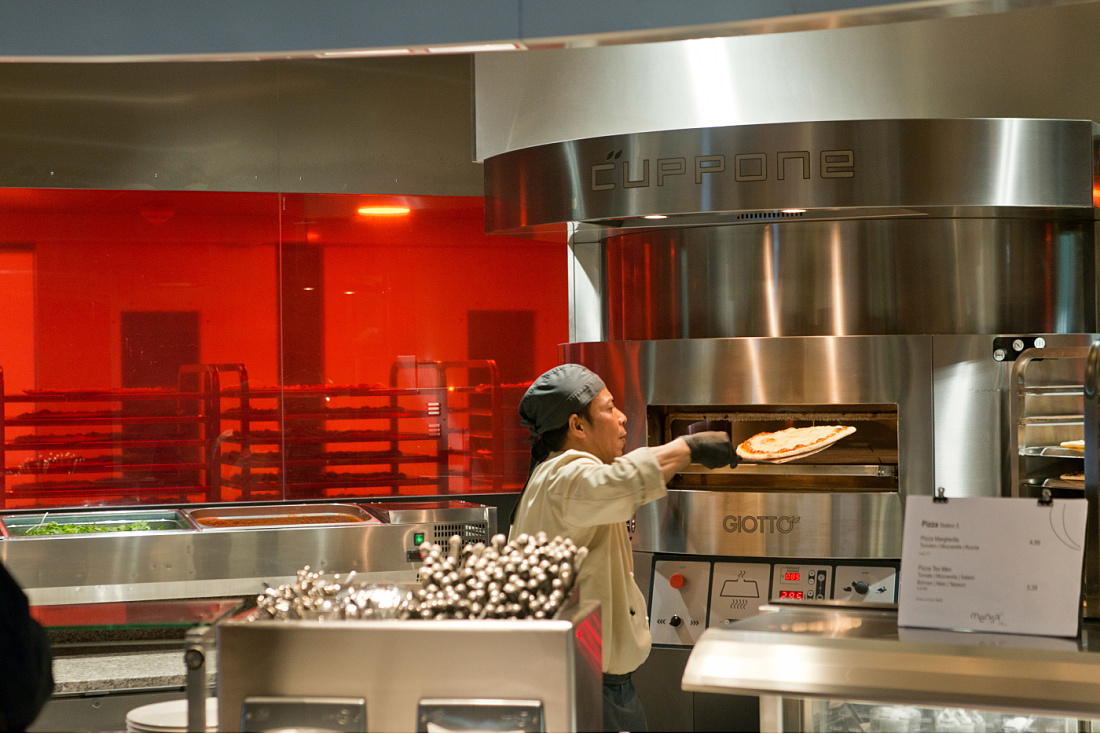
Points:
[[866, 461]]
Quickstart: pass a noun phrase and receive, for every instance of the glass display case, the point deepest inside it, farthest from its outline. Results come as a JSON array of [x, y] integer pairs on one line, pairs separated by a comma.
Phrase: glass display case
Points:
[[853, 716]]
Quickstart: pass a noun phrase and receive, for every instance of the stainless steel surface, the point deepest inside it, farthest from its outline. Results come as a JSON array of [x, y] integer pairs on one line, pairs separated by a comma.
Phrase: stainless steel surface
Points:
[[480, 714], [313, 713], [1047, 409], [772, 524], [813, 372], [98, 712], [972, 393], [926, 268], [356, 126], [194, 658], [1051, 483], [222, 518], [748, 467], [452, 517], [898, 276], [862, 655], [394, 665], [16, 527], [1015, 66], [953, 401], [165, 565], [881, 168]]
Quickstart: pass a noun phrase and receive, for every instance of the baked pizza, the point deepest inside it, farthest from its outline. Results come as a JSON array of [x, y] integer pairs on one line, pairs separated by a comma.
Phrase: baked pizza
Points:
[[1078, 445], [1075, 476], [790, 443]]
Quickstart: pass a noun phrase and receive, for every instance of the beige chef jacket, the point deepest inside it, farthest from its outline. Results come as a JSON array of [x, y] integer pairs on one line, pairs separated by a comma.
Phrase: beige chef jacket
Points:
[[575, 495]]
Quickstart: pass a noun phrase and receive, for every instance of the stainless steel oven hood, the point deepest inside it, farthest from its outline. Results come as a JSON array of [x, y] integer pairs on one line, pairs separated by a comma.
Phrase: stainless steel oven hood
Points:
[[790, 171]]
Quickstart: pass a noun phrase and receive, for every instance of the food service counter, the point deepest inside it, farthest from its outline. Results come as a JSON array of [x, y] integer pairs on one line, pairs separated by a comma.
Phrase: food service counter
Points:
[[225, 550], [825, 669], [118, 589]]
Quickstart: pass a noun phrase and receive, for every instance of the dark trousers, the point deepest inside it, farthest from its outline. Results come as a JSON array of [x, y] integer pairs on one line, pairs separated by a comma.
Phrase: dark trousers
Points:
[[622, 709]]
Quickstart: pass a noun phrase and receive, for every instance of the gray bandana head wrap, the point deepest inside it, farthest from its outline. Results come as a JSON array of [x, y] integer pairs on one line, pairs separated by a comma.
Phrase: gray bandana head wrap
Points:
[[552, 398]]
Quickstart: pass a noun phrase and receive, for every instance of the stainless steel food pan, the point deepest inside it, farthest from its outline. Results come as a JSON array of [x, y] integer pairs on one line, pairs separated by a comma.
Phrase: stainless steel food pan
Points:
[[19, 526], [222, 518]]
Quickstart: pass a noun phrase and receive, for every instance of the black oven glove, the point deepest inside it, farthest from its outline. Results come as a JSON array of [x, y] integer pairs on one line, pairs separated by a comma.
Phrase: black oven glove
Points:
[[712, 449]]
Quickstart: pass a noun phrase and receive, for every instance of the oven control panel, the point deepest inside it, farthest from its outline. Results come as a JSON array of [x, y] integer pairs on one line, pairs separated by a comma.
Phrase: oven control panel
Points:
[[871, 584], [737, 591], [678, 611], [801, 582], [689, 594]]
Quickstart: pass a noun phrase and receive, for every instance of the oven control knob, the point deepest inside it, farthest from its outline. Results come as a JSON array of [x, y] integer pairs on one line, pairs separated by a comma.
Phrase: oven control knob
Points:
[[677, 581], [675, 621], [860, 587]]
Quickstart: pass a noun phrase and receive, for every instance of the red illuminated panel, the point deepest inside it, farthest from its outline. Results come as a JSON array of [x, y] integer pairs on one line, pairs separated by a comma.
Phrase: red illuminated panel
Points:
[[301, 289], [792, 576], [790, 594]]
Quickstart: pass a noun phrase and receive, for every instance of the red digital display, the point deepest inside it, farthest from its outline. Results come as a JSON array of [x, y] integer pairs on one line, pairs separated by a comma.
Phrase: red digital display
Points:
[[790, 594], [792, 576]]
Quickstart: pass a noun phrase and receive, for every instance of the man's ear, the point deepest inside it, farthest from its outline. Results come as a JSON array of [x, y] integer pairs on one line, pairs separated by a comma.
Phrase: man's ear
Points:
[[576, 426]]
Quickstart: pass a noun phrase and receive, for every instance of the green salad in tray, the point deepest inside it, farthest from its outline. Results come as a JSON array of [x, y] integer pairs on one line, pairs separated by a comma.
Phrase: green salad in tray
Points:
[[69, 528]]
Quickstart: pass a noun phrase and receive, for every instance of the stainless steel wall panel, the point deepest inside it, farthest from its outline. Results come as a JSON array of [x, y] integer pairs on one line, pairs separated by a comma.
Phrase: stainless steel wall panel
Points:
[[139, 126], [971, 408], [377, 126], [371, 126]]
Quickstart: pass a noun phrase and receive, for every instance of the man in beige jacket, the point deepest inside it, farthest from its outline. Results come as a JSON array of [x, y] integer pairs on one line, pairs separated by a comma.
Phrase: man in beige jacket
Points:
[[581, 486]]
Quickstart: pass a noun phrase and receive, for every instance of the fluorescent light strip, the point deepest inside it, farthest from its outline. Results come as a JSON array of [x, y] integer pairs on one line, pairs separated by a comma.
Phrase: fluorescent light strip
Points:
[[368, 52], [383, 211], [473, 48]]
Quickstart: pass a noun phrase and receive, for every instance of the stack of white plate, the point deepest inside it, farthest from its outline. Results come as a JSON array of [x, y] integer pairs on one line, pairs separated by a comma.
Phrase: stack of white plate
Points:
[[169, 716]]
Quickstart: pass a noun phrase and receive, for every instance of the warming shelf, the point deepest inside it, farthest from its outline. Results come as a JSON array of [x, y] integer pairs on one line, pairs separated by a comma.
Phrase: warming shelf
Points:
[[862, 655]]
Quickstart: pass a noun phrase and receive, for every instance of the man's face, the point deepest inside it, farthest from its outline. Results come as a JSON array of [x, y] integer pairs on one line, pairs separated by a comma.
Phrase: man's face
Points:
[[605, 435]]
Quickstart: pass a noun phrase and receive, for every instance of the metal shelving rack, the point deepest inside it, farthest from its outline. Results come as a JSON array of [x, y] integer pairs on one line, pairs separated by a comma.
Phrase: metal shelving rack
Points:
[[484, 412], [297, 422], [79, 422], [235, 441]]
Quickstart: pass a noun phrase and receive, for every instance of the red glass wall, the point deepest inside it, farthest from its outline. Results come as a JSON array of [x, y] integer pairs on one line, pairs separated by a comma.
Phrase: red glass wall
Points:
[[190, 347]]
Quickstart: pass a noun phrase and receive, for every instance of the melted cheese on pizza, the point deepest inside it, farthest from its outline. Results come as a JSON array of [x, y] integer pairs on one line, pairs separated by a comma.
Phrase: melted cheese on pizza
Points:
[[791, 441]]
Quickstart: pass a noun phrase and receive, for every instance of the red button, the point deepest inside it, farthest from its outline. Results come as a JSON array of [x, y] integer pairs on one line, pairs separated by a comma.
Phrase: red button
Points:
[[677, 580]]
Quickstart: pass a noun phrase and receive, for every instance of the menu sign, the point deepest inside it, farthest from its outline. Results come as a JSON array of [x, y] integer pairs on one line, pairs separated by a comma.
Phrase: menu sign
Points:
[[992, 564]]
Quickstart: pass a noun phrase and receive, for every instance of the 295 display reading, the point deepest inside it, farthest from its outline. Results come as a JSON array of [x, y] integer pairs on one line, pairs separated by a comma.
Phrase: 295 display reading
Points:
[[792, 576], [790, 594]]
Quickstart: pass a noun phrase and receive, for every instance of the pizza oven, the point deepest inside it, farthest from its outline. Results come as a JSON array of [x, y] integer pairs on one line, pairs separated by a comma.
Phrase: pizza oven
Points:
[[883, 274], [866, 460]]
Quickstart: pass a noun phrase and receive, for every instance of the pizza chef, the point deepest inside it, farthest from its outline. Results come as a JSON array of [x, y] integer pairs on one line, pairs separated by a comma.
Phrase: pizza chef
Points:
[[581, 486]]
